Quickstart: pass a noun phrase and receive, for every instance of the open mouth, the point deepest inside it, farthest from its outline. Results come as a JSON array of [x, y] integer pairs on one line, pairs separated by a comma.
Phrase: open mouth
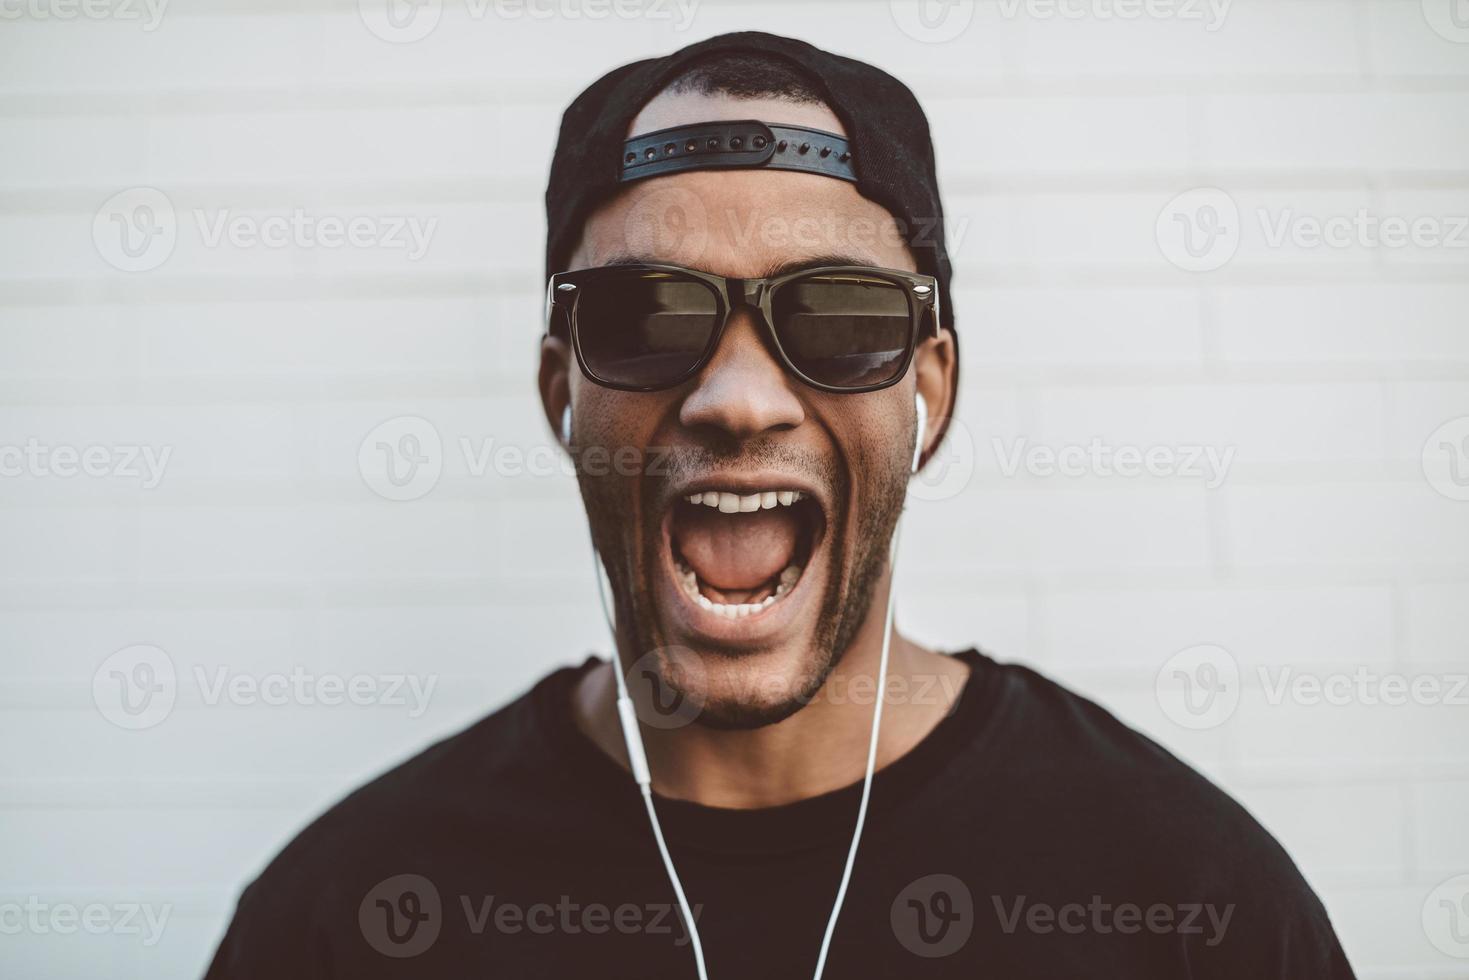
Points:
[[738, 554]]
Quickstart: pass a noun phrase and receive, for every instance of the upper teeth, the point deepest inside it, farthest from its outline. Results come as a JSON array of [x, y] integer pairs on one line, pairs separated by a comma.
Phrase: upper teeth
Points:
[[734, 503]]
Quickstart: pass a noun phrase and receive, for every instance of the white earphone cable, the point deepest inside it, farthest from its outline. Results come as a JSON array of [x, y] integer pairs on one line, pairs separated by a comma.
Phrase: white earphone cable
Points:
[[638, 762], [882, 677]]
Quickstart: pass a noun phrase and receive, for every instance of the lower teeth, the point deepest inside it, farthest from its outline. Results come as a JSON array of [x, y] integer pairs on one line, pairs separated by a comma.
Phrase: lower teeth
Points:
[[690, 582]]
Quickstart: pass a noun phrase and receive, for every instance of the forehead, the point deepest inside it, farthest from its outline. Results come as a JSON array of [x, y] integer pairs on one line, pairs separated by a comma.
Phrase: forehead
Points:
[[739, 222]]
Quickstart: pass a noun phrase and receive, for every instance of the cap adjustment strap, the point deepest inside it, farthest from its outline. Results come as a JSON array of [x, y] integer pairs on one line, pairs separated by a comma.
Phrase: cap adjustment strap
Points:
[[736, 144]]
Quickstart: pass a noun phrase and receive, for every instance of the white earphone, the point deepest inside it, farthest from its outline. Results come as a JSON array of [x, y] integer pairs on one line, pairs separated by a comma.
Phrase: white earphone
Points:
[[920, 405], [566, 426], [637, 757]]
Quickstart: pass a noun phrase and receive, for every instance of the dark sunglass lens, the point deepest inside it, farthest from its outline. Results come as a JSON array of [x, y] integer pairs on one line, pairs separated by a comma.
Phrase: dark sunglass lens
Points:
[[847, 329], [642, 328]]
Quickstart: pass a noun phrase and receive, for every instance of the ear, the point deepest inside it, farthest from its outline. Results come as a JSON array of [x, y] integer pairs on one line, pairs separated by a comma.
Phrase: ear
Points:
[[555, 380], [934, 364]]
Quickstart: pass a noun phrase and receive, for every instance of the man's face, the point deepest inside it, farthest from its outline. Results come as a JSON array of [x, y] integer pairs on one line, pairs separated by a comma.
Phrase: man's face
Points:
[[766, 599]]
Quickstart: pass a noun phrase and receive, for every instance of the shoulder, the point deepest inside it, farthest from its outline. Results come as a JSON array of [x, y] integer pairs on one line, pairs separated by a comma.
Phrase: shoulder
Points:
[[1069, 745], [456, 786], [1133, 812]]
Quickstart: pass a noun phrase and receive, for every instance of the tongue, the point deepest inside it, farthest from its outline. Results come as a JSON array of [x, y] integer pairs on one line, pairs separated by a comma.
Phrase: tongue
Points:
[[735, 551]]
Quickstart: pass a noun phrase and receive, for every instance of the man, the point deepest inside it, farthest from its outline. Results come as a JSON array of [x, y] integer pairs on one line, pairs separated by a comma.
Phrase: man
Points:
[[748, 290]]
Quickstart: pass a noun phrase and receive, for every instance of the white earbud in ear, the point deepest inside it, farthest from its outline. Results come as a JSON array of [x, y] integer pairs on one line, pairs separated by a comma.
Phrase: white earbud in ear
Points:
[[920, 405], [566, 426]]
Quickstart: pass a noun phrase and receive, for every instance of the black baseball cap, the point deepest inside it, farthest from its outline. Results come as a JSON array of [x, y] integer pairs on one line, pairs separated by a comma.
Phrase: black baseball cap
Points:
[[887, 136]]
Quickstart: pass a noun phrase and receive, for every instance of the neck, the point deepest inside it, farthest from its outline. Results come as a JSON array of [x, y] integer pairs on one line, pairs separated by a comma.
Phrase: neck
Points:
[[822, 747]]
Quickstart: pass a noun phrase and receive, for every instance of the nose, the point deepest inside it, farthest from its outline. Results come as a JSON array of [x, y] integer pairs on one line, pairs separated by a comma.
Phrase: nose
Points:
[[743, 390]]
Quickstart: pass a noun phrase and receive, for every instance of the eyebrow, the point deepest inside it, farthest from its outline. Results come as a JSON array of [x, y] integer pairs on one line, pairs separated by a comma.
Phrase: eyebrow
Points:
[[816, 262], [777, 269]]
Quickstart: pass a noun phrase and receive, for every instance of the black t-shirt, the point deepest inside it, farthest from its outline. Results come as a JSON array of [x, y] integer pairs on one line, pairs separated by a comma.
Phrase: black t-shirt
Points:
[[1030, 834]]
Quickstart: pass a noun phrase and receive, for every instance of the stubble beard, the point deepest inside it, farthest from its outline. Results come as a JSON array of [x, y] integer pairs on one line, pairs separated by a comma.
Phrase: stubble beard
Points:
[[837, 622]]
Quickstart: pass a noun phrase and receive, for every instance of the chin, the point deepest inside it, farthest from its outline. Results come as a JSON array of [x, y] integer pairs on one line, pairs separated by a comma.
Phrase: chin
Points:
[[754, 691]]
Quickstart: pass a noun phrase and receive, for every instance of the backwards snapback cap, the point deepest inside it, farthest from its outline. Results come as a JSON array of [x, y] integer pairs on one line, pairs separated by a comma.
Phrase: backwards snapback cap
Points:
[[887, 152]]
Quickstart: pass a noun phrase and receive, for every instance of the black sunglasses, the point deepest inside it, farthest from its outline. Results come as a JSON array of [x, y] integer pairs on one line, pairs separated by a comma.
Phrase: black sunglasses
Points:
[[650, 327]]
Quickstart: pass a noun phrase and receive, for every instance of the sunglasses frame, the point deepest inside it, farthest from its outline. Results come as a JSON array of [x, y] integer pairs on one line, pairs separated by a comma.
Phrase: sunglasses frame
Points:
[[564, 290]]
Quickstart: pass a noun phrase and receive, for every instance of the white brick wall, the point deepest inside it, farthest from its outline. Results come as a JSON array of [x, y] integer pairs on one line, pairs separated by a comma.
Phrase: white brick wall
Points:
[[1062, 139]]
